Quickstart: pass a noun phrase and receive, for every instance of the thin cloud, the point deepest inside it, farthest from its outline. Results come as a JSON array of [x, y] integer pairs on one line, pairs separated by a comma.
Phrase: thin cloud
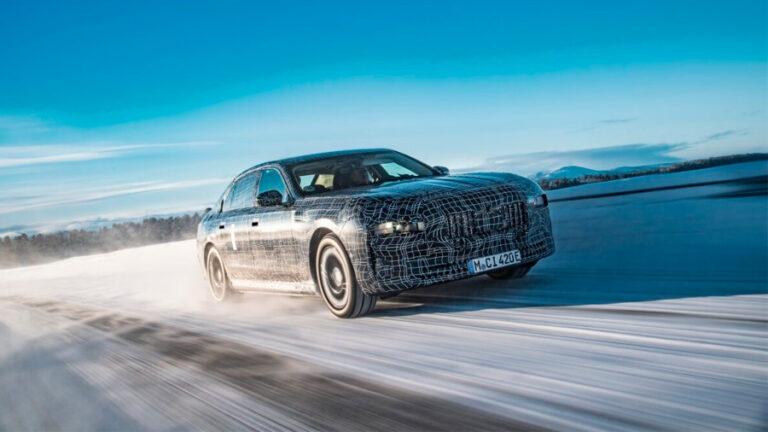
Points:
[[605, 123], [616, 120], [95, 194], [14, 156], [16, 123], [723, 134], [58, 158]]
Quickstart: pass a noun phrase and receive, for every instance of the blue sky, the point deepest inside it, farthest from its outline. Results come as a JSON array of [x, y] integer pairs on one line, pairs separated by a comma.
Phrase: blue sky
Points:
[[112, 109]]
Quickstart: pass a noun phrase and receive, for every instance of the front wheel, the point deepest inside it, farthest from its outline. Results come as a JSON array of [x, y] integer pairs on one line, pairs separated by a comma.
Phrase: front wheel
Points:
[[511, 272], [336, 280]]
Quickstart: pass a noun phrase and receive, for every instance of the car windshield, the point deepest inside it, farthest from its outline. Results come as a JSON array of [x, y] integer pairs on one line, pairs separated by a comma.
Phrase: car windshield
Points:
[[342, 172]]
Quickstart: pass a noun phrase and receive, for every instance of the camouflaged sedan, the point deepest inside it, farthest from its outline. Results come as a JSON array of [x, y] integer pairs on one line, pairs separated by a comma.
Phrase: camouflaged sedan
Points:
[[355, 226]]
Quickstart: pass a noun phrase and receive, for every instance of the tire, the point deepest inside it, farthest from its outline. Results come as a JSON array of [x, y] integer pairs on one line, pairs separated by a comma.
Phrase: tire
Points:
[[218, 280], [511, 272], [337, 283]]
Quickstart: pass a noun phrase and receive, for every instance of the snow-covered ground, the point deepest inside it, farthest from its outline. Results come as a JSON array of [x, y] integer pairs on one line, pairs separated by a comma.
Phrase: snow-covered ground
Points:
[[651, 315]]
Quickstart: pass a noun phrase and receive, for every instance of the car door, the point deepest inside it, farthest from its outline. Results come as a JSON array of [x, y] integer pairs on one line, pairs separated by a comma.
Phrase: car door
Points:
[[234, 227], [273, 244]]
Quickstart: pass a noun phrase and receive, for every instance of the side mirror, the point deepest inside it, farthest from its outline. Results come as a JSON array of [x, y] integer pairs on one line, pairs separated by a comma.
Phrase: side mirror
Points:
[[207, 210], [269, 198], [441, 170]]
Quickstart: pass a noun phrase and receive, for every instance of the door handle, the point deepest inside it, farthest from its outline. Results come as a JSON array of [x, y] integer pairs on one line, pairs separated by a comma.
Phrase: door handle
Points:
[[298, 216], [254, 222], [221, 226]]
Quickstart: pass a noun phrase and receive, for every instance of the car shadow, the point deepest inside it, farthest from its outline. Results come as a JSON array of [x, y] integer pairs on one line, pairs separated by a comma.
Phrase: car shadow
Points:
[[562, 288]]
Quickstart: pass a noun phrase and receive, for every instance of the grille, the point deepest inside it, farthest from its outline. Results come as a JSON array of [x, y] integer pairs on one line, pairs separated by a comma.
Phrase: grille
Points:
[[510, 217]]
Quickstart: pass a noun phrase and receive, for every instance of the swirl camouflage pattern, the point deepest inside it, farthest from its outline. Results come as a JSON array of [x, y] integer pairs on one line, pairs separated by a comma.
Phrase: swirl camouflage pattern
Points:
[[354, 226]]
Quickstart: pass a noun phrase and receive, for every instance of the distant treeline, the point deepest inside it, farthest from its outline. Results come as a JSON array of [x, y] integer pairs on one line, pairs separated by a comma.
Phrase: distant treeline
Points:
[[26, 249], [677, 167]]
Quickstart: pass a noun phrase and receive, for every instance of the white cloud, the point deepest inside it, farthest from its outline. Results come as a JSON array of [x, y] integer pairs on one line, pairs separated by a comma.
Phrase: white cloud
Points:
[[19, 123], [56, 199], [56, 158], [14, 156]]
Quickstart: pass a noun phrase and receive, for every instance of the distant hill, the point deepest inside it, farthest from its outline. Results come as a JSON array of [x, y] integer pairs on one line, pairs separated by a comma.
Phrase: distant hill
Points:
[[566, 172], [575, 175], [628, 169], [573, 171]]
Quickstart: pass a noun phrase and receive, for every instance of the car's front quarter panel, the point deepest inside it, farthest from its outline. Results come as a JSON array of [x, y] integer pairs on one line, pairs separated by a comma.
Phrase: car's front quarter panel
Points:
[[314, 217]]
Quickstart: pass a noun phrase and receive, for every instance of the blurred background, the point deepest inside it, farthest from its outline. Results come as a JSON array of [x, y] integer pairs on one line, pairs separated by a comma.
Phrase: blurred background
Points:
[[124, 110]]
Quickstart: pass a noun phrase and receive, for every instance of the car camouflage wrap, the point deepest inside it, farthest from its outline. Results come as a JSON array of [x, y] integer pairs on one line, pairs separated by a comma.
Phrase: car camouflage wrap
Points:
[[398, 235], [464, 217]]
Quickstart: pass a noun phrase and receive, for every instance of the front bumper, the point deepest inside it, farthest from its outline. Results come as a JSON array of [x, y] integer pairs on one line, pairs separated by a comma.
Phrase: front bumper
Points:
[[398, 263]]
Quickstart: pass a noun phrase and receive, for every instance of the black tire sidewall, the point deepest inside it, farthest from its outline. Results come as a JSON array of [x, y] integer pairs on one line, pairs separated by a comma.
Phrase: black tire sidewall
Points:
[[227, 290], [331, 240]]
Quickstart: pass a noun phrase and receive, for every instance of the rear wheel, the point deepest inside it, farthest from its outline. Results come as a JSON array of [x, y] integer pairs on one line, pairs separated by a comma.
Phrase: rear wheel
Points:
[[218, 280], [511, 272], [337, 282]]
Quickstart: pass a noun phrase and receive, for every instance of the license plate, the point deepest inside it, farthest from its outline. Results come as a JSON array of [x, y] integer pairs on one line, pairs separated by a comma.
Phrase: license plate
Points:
[[484, 264]]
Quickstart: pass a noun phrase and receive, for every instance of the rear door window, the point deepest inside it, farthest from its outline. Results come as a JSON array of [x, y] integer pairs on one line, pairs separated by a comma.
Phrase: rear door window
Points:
[[243, 193]]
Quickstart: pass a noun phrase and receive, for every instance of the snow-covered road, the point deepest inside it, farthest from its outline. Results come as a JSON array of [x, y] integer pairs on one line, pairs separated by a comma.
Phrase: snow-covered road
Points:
[[651, 315]]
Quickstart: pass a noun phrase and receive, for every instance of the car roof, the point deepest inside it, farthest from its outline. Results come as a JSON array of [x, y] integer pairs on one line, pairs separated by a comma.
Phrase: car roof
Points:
[[314, 156]]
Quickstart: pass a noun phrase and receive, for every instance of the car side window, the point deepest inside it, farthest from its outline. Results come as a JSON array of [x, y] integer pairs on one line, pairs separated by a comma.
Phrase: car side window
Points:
[[271, 180], [242, 193]]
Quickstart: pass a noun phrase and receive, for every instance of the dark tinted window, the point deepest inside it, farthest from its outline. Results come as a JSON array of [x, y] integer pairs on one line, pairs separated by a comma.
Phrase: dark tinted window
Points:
[[354, 170], [242, 194], [271, 180]]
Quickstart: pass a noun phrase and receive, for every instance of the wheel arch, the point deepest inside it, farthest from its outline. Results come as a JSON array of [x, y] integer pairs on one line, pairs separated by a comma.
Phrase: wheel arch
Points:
[[206, 249]]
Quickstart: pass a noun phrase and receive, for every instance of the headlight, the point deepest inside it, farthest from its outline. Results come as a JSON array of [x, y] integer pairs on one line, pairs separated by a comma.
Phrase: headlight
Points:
[[400, 227], [538, 201]]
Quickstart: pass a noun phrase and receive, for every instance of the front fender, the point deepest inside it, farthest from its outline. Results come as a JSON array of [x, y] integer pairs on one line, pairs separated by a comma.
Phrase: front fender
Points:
[[354, 235]]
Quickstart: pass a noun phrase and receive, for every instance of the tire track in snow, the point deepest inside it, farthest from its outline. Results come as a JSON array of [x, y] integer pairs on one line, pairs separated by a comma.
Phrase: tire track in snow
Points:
[[315, 396]]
